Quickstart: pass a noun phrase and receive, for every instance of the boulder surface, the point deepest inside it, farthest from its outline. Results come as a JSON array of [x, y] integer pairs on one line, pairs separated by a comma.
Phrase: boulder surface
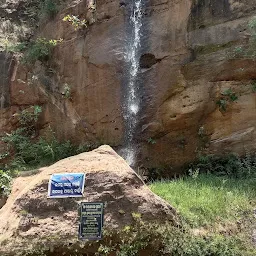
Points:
[[30, 219]]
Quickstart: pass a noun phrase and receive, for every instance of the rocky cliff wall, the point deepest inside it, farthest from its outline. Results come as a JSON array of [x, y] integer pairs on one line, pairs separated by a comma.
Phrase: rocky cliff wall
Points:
[[186, 67]]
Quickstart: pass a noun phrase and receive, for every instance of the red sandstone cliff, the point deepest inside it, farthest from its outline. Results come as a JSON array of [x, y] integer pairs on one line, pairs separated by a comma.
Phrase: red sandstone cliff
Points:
[[186, 64]]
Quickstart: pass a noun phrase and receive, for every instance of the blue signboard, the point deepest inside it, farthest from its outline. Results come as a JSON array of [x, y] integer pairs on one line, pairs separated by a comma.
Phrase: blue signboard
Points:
[[91, 221], [66, 185]]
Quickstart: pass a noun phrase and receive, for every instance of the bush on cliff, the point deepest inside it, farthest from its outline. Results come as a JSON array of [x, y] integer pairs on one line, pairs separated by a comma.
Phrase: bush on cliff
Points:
[[33, 153], [48, 8], [230, 165], [5, 183], [28, 150], [248, 50], [40, 49]]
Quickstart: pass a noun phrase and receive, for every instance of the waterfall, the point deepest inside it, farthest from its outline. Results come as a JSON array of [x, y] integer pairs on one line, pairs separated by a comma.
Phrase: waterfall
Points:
[[131, 105]]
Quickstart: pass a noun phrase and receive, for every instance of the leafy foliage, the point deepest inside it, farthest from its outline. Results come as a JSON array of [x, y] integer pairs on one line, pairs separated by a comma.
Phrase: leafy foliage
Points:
[[35, 153], [151, 141], [253, 86], [143, 238], [228, 96], [5, 183], [222, 103], [76, 22], [66, 91], [29, 117], [249, 50], [40, 10], [30, 151], [48, 9], [230, 165], [40, 49], [169, 240], [203, 139]]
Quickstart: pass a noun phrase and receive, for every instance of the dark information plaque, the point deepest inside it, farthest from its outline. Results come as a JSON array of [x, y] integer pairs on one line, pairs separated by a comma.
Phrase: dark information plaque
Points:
[[91, 221]]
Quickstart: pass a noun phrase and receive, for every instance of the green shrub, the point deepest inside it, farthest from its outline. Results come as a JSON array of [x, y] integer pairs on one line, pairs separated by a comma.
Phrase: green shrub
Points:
[[76, 22], [228, 96], [40, 49], [38, 153], [229, 165], [253, 86], [153, 240], [28, 117], [32, 153], [151, 141], [48, 9], [5, 183], [41, 10], [169, 240], [20, 47], [66, 91], [28, 150], [222, 104], [249, 50]]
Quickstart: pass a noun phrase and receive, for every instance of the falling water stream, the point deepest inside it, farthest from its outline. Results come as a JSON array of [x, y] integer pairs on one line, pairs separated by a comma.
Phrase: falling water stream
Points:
[[131, 105]]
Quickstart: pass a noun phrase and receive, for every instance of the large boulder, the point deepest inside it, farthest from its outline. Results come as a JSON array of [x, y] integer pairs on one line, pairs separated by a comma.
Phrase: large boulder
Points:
[[30, 220]]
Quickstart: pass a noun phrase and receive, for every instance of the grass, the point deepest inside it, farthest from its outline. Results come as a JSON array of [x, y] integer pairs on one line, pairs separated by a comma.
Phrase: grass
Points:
[[208, 200], [217, 220], [219, 208]]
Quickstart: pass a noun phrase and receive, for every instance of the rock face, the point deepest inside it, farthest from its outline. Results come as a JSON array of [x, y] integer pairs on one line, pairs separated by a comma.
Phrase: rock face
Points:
[[186, 65], [2, 201], [29, 216]]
